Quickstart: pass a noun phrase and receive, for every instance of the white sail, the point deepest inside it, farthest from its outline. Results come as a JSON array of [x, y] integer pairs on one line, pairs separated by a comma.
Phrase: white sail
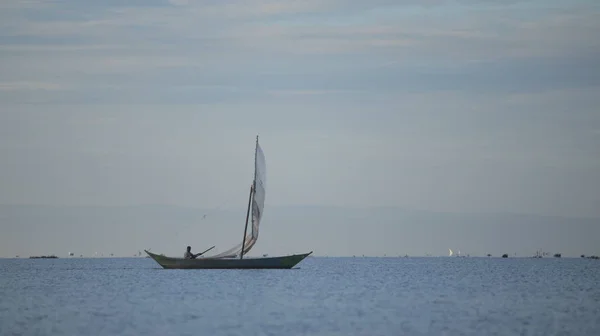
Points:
[[450, 253], [257, 206], [260, 186]]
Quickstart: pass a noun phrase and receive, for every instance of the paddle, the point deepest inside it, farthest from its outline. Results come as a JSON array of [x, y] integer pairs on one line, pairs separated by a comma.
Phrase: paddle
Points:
[[206, 251]]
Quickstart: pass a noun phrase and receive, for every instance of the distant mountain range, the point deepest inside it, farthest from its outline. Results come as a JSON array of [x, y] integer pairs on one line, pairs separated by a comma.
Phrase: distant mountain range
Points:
[[333, 231]]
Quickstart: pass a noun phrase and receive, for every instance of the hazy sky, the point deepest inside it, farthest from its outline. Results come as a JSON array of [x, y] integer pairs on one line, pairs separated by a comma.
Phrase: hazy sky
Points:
[[461, 106]]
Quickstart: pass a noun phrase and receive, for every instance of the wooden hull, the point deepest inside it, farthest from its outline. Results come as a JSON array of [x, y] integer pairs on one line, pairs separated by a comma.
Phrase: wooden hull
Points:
[[284, 262]]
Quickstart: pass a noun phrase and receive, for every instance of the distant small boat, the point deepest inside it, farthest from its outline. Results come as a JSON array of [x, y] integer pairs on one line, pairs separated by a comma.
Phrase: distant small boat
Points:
[[44, 257]]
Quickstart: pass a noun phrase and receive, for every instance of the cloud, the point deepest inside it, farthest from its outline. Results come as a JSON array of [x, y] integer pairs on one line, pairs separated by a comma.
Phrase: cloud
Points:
[[258, 8], [306, 92], [24, 4], [230, 21], [179, 2], [301, 46], [19, 86]]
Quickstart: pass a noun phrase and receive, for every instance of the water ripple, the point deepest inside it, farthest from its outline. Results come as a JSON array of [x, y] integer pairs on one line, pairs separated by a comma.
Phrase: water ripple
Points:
[[326, 296]]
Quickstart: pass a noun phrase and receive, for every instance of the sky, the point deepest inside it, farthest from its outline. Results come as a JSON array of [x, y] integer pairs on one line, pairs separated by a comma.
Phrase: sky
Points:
[[472, 106]]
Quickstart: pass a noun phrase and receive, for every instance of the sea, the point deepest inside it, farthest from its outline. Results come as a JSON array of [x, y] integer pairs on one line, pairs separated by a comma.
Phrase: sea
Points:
[[321, 296]]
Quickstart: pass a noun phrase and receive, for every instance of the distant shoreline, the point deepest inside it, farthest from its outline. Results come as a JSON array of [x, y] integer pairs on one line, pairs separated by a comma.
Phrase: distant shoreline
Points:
[[324, 256]]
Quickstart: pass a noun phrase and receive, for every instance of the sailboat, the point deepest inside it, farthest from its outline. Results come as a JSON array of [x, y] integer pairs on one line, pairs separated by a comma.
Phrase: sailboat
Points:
[[233, 258]]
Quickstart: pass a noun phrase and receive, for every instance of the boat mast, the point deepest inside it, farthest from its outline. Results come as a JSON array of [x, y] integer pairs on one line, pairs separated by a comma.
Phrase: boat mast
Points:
[[249, 201], [246, 227]]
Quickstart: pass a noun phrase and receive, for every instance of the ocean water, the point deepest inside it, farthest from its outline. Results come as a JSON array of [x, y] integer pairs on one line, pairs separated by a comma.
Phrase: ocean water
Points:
[[323, 296]]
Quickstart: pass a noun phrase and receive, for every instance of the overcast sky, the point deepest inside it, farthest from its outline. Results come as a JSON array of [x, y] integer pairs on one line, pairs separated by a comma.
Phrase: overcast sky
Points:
[[459, 106]]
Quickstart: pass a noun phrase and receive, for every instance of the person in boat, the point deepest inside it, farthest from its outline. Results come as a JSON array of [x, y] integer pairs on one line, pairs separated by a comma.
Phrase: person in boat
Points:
[[189, 255]]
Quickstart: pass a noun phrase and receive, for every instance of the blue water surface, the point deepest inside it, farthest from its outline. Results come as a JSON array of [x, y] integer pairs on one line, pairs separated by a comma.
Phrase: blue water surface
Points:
[[323, 296]]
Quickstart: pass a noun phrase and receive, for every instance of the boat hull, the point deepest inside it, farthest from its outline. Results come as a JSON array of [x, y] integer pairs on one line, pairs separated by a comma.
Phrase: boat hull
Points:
[[283, 262]]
